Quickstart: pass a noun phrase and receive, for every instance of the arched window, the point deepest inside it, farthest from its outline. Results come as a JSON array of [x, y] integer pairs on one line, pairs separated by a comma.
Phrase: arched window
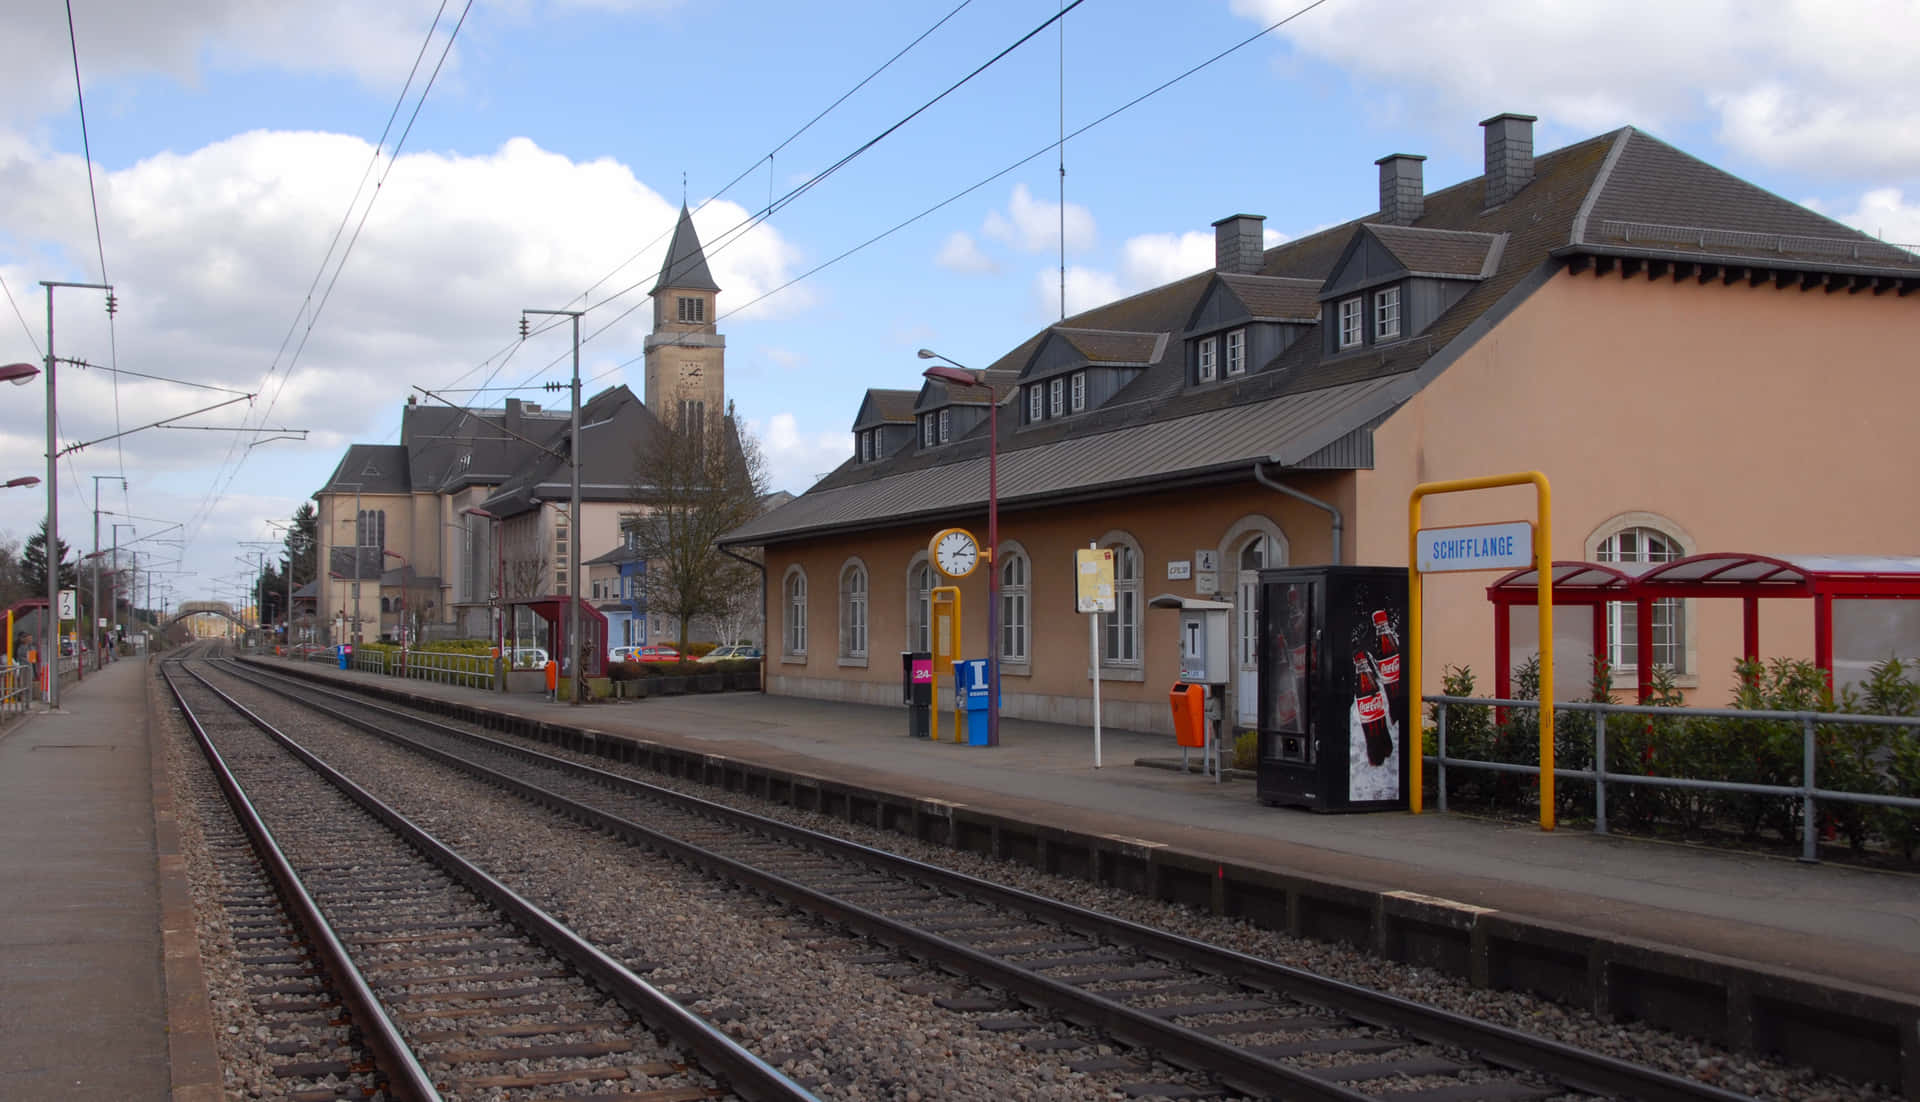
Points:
[[796, 594], [1120, 629], [853, 611], [920, 604], [1644, 544], [1015, 628]]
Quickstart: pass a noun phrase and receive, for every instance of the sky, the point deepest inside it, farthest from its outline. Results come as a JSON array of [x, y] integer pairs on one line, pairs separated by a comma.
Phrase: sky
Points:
[[288, 209]]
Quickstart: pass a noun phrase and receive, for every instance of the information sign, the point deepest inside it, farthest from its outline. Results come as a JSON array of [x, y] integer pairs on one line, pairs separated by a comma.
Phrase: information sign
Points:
[[1093, 579], [1179, 570], [69, 604], [1504, 546]]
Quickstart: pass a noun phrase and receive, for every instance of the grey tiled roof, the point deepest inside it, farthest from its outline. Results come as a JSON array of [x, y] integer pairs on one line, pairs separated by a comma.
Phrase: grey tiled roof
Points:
[[1276, 299], [373, 468], [882, 407], [1436, 252], [686, 265], [1110, 347]]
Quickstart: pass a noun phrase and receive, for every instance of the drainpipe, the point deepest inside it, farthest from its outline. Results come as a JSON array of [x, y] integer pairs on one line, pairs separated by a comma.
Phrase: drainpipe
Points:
[[766, 644], [1260, 476]]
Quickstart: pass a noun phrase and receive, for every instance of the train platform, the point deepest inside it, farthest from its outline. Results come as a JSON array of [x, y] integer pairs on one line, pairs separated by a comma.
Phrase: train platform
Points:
[[84, 999], [1834, 922]]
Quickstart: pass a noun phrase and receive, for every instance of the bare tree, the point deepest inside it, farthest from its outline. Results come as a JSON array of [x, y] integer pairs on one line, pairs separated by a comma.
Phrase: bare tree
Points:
[[524, 575], [698, 482]]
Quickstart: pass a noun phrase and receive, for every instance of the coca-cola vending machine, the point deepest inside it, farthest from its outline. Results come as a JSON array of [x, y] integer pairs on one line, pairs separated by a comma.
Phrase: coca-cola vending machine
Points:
[[1334, 732]]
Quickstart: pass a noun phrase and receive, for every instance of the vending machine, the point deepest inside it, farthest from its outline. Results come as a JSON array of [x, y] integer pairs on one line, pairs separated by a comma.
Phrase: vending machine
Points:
[[1334, 730]]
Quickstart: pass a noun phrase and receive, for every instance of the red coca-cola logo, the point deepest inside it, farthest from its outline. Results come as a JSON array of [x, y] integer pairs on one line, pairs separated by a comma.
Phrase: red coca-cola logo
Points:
[[1390, 668], [1372, 708]]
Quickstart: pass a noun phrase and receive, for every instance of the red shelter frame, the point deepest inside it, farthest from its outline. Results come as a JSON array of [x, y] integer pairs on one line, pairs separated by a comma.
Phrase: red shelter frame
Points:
[[1749, 577]]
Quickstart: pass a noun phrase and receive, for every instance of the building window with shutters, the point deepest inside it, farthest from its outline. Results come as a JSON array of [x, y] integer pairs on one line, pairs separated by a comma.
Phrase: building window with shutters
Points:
[[692, 310]]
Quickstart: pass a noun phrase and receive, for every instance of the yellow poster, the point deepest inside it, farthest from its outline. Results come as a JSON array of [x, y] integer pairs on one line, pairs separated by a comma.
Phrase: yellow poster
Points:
[[1093, 579]]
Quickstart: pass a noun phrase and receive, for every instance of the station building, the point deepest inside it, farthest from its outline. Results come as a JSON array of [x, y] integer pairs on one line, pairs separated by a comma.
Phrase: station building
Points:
[[1695, 364]]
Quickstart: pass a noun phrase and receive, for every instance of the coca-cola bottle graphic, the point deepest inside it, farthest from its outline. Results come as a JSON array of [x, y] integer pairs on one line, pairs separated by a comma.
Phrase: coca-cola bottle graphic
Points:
[[1371, 701], [1389, 646], [1297, 630]]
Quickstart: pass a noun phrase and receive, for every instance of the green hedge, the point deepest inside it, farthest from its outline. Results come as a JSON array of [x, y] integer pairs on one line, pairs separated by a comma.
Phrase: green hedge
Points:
[[1847, 757]]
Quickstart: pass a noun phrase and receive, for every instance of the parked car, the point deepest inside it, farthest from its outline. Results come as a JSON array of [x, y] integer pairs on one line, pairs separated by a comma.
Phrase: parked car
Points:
[[524, 657], [624, 654], [658, 652], [732, 653]]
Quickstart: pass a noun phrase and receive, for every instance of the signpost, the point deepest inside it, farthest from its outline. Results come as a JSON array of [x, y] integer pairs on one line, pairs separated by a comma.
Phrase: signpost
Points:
[[1509, 545], [1093, 594]]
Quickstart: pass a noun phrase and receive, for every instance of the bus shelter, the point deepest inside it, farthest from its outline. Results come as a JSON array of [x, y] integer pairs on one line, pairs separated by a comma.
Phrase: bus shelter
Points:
[[1581, 591], [1863, 594], [551, 610]]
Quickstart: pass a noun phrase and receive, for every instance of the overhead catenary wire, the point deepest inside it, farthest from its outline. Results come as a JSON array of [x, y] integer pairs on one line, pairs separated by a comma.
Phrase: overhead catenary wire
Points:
[[99, 239]]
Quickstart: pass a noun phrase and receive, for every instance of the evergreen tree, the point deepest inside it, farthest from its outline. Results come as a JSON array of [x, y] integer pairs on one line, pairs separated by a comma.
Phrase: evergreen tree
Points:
[[33, 564]]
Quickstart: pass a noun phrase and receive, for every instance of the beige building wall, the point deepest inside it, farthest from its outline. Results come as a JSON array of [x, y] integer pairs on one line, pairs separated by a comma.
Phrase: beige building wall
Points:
[[1054, 687], [1738, 418]]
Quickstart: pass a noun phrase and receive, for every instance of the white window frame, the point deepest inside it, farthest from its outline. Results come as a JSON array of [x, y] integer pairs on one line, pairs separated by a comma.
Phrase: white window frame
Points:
[[1016, 608], [1056, 397], [1079, 388], [1121, 651], [1236, 353], [1352, 331], [1036, 404], [1670, 614], [926, 430], [946, 425], [866, 446], [1386, 314], [794, 632], [1206, 359], [853, 613], [920, 603]]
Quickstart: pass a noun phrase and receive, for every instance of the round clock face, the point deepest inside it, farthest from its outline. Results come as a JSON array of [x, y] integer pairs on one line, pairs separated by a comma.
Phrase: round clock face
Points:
[[955, 553]]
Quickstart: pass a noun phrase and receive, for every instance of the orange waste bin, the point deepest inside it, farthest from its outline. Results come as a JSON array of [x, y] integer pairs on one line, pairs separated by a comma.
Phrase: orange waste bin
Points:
[[1189, 714]]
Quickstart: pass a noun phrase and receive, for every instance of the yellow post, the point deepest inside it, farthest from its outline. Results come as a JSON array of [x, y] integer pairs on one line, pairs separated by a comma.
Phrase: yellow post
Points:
[[944, 606], [1543, 567]]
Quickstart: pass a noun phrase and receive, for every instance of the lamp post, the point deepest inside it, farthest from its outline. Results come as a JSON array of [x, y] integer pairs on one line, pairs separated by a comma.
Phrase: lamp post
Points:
[[93, 629], [961, 375], [573, 514], [290, 541], [53, 492], [24, 480], [499, 594], [113, 584]]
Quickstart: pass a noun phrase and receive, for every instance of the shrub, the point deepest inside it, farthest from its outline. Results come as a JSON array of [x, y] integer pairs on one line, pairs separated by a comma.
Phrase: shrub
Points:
[[1246, 750]]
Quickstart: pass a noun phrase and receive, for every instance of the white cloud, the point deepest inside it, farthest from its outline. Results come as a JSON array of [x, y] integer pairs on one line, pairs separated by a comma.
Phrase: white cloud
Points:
[[1884, 212], [961, 254], [1155, 258], [1849, 111], [1086, 288], [1034, 225], [796, 460], [213, 252]]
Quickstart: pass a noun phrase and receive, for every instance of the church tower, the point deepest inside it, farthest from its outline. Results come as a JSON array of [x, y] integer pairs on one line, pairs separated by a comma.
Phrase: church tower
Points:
[[686, 355]]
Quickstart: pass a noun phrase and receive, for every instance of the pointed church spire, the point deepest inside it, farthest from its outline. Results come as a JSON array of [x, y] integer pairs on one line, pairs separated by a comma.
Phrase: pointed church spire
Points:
[[686, 266]]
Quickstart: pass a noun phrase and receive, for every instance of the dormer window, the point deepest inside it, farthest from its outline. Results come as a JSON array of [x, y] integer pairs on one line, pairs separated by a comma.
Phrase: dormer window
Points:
[[1350, 323], [1079, 382], [1056, 397], [946, 424], [866, 446], [927, 430], [1386, 314], [1207, 368], [692, 310], [1034, 404], [1236, 353]]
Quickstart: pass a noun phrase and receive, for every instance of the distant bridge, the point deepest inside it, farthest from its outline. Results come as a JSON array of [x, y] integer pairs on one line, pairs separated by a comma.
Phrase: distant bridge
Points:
[[205, 608]]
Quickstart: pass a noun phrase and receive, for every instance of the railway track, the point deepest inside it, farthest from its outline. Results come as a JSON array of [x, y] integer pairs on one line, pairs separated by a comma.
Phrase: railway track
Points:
[[445, 983], [1228, 1022]]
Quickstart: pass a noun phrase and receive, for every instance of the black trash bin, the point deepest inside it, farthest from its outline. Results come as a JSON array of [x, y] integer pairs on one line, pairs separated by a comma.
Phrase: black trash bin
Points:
[[916, 691]]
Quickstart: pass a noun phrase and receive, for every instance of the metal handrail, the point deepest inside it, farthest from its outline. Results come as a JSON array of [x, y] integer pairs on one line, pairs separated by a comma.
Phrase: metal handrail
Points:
[[17, 684], [448, 667], [1807, 790]]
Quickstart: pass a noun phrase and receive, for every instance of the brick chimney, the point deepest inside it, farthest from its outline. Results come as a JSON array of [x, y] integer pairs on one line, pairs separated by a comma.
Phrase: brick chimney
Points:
[[1402, 188], [1239, 244], [1509, 156]]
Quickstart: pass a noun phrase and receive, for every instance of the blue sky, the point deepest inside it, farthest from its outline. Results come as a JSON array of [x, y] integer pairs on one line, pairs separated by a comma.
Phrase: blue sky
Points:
[[229, 138]]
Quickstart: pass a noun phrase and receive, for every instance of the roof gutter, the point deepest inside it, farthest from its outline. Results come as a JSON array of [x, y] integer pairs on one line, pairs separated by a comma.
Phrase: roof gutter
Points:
[[766, 643], [1260, 476]]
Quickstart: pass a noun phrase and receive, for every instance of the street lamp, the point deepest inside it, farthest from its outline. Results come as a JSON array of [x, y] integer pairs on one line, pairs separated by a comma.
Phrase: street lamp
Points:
[[499, 593], [960, 375], [23, 480], [18, 374]]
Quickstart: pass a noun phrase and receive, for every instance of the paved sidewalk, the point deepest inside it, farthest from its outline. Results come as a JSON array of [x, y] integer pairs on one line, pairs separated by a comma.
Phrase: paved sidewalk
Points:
[[82, 1001], [1827, 920]]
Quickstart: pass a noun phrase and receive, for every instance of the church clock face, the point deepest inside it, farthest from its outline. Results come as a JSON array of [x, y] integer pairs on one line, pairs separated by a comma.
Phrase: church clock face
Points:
[[955, 552]]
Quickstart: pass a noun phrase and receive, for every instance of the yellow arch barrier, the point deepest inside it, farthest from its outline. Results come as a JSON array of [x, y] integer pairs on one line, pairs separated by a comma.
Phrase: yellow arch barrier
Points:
[[1543, 567]]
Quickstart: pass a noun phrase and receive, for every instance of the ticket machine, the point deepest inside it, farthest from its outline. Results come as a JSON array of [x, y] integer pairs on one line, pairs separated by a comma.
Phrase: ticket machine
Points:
[[1205, 665]]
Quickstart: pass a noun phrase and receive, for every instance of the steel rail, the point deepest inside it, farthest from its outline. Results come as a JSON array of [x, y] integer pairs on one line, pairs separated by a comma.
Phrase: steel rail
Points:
[[1502, 1045], [404, 1078], [741, 1071]]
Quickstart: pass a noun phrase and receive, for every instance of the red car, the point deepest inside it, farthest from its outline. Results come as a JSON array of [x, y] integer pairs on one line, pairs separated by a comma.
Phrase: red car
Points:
[[656, 653]]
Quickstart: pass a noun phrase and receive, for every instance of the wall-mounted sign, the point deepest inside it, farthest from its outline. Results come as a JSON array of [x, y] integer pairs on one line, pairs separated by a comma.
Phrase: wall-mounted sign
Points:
[[1093, 579], [1179, 570], [1206, 581], [1206, 560], [1504, 546]]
